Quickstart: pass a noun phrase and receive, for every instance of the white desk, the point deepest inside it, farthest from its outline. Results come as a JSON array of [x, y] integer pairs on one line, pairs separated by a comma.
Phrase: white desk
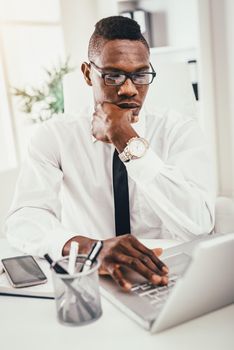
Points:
[[31, 324]]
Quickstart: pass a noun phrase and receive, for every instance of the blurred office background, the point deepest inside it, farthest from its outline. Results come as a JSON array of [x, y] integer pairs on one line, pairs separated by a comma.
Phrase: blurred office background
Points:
[[35, 34]]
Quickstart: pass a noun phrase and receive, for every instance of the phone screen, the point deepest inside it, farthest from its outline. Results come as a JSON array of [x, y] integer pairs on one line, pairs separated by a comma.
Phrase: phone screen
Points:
[[23, 270]]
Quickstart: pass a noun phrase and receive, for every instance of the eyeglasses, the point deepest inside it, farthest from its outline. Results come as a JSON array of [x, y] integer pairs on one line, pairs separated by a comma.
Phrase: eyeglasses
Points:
[[119, 78]]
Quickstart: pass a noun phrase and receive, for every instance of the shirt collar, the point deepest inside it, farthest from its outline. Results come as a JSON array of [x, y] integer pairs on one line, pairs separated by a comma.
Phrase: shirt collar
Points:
[[139, 127]]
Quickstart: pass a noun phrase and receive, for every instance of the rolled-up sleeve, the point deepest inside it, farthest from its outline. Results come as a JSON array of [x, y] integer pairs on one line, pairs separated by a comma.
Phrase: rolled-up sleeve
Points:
[[34, 224], [179, 187]]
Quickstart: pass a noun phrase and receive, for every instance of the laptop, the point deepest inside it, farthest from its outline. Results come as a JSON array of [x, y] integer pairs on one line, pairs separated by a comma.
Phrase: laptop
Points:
[[201, 280]]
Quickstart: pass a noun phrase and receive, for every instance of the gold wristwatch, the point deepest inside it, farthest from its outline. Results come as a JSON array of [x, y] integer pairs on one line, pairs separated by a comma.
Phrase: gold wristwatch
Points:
[[136, 148]]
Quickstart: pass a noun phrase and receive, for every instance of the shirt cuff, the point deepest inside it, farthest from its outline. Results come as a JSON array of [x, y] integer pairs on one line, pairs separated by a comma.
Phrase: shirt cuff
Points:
[[55, 245], [144, 169]]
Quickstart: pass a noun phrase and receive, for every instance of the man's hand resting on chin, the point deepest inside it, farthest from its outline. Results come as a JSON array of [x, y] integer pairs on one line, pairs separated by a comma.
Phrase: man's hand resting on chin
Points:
[[112, 124]]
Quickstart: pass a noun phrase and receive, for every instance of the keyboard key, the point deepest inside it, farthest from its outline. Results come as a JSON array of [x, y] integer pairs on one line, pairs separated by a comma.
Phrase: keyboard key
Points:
[[148, 292], [156, 295]]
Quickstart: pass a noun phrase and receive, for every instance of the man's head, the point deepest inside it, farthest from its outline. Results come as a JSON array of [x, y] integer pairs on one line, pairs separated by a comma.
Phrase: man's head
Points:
[[117, 46]]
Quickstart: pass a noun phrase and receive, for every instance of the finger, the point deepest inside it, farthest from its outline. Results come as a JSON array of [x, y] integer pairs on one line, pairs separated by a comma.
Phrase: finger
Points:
[[160, 265], [117, 275], [147, 261], [157, 251], [96, 108], [164, 280], [126, 247], [102, 271], [108, 106], [134, 119], [98, 105], [136, 265]]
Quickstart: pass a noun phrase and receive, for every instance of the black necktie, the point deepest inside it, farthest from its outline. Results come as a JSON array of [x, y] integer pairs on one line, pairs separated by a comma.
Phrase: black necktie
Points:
[[121, 198]]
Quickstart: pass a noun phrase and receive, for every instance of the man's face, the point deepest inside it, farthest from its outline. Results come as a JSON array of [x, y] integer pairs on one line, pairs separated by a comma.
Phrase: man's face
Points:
[[119, 56]]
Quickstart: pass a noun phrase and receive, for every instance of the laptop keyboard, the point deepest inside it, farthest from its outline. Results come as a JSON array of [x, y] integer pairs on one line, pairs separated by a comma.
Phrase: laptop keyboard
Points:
[[155, 295]]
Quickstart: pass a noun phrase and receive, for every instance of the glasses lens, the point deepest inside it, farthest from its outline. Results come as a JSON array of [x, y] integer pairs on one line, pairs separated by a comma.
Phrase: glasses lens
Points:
[[142, 79], [114, 79]]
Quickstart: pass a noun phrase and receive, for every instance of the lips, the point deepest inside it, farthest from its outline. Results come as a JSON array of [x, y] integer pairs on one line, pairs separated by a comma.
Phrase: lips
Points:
[[128, 105]]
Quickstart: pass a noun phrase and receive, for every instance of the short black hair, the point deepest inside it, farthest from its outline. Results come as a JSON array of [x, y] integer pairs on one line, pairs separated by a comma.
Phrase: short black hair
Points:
[[111, 28]]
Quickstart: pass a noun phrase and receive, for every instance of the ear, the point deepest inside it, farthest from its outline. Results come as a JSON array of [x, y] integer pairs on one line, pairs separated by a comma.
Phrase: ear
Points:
[[85, 68]]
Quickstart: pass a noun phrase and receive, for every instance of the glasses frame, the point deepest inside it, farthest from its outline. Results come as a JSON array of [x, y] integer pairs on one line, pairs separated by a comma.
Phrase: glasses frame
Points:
[[127, 75]]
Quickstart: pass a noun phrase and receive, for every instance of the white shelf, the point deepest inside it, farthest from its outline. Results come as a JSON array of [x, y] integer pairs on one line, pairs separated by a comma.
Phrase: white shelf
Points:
[[172, 49], [173, 54]]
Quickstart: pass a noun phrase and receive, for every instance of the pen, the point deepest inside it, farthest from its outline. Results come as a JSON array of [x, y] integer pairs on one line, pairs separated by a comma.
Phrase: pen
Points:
[[71, 270], [72, 257], [92, 256], [57, 268]]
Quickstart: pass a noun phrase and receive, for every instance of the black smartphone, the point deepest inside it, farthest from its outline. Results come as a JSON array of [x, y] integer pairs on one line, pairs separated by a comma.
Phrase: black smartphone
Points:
[[23, 271]]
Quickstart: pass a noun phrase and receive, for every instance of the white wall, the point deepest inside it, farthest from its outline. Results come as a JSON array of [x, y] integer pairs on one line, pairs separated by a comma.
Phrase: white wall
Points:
[[8, 153], [222, 14], [77, 18], [106, 8], [230, 43]]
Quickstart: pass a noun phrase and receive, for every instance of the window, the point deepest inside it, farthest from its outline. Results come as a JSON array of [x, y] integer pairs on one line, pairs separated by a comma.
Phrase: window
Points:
[[31, 39]]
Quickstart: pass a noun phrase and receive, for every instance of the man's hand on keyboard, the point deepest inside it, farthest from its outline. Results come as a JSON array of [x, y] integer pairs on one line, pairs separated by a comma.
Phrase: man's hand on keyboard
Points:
[[127, 251]]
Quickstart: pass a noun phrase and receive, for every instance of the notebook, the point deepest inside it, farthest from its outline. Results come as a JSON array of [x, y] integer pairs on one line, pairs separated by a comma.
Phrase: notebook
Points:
[[40, 291]]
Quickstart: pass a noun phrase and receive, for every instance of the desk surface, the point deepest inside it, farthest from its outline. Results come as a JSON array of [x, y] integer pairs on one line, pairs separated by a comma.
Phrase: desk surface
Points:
[[27, 323]]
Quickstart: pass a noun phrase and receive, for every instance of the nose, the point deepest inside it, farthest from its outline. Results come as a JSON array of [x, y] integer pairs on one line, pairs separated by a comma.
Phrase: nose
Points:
[[127, 89]]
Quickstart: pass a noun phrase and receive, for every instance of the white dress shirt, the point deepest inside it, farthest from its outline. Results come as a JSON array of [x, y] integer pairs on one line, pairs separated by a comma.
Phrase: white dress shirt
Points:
[[65, 185]]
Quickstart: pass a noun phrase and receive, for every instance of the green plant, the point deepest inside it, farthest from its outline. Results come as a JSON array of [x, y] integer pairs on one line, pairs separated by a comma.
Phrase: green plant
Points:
[[44, 102]]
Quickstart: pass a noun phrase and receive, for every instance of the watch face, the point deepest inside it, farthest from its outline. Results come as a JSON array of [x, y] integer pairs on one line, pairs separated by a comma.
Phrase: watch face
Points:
[[137, 148]]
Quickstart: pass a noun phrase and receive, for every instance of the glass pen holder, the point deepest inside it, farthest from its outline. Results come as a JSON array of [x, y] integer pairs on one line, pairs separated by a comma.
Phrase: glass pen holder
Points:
[[77, 296]]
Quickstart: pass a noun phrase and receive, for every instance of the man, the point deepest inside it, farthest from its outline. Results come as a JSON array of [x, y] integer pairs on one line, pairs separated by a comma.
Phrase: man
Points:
[[164, 156]]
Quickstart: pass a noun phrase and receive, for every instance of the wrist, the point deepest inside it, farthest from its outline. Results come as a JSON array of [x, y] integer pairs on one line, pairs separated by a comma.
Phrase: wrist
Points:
[[119, 136], [85, 245]]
